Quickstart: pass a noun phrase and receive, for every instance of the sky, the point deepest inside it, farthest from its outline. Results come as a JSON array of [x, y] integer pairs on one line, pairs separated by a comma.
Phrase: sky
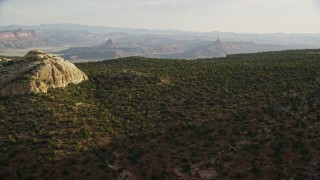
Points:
[[254, 16]]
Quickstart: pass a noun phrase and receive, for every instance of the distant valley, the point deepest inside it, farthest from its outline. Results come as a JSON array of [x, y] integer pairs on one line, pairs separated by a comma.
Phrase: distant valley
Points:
[[89, 43], [173, 50], [220, 48]]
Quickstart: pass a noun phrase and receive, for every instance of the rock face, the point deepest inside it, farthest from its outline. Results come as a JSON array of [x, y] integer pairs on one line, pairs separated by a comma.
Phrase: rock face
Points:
[[37, 72], [20, 33], [20, 39]]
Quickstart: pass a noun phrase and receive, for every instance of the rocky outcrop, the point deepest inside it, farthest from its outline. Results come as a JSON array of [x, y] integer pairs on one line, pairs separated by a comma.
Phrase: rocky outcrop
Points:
[[4, 59], [37, 72]]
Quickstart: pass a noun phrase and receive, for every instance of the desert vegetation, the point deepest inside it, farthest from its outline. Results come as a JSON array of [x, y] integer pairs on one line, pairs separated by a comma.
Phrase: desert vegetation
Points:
[[248, 116]]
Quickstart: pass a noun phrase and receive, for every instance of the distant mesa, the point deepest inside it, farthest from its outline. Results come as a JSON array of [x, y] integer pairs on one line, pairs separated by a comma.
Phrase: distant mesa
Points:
[[20, 33], [37, 72], [109, 41], [215, 48], [220, 42], [109, 44], [164, 48], [108, 50]]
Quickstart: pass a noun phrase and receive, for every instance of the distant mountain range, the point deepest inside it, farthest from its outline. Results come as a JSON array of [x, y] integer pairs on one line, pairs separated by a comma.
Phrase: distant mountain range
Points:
[[306, 40], [45, 38], [218, 48], [88, 42]]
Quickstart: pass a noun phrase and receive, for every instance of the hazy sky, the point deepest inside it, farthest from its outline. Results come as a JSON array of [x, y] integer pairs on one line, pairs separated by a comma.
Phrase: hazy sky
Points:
[[198, 15]]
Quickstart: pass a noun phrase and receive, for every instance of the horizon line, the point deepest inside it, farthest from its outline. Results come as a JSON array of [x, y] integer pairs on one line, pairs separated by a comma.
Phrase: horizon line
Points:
[[158, 29]]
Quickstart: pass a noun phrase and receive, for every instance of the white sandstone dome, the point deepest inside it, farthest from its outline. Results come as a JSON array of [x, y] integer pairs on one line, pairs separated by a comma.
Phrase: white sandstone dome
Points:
[[37, 72]]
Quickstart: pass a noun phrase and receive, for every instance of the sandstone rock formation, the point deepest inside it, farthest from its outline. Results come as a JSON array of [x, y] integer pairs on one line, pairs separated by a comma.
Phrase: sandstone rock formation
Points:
[[4, 59], [37, 72], [20, 33], [20, 39]]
